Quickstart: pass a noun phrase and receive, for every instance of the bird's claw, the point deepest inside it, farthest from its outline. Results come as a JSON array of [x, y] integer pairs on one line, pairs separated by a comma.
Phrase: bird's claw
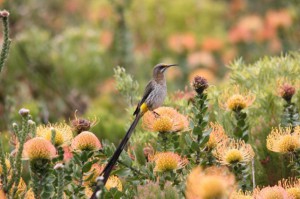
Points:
[[155, 114]]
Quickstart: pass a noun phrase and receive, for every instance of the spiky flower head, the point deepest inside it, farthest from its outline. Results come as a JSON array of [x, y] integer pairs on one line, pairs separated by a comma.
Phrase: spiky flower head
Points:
[[235, 100], [86, 141], [167, 161], [168, 120], [272, 193], [80, 124], [283, 140], [292, 187], [63, 133], [114, 182], [241, 195], [232, 151], [38, 148], [216, 135], [199, 84], [286, 89], [215, 182]]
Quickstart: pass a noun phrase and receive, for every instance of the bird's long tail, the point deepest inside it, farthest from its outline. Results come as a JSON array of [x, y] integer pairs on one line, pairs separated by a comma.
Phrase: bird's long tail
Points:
[[108, 168]]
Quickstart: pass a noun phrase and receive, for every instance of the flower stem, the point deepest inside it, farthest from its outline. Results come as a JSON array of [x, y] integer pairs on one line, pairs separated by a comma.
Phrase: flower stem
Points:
[[6, 42], [60, 183]]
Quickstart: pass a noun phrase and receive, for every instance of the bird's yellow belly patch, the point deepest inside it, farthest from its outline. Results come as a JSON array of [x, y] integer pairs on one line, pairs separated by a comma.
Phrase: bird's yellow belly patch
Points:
[[144, 108]]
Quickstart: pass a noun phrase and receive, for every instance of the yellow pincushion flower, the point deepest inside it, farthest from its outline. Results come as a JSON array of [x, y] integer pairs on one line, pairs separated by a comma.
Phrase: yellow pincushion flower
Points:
[[63, 133], [166, 161], [210, 183], [232, 151], [216, 136], [235, 100], [241, 195], [167, 120], [38, 148], [272, 193], [86, 141], [292, 187], [283, 140], [114, 182]]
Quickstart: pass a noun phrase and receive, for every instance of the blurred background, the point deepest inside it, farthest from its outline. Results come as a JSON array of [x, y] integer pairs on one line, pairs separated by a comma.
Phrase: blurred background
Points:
[[64, 53]]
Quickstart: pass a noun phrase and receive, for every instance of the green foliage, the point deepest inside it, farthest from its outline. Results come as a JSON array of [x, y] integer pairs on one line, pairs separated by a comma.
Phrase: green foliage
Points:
[[260, 78]]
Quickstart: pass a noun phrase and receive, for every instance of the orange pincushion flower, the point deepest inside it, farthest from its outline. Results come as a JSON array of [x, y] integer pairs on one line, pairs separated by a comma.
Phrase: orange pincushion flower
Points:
[[169, 120], [166, 161], [114, 182], [216, 136], [214, 182], [232, 151], [86, 141], [38, 148], [236, 101], [283, 140], [271, 193], [63, 133]]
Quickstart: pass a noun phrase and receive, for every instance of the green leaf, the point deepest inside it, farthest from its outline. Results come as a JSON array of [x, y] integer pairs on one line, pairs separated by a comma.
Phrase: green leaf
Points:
[[87, 166]]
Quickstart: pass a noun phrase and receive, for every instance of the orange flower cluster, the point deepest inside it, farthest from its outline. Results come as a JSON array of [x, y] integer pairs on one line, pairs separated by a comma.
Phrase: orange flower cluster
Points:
[[169, 120], [166, 161]]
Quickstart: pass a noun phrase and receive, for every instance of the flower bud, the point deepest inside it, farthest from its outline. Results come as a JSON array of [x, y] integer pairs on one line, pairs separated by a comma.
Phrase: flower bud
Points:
[[4, 13], [199, 84], [287, 91], [59, 166], [24, 112]]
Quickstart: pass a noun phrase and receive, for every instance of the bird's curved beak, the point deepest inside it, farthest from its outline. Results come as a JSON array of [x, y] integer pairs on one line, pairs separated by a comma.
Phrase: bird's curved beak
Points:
[[169, 65]]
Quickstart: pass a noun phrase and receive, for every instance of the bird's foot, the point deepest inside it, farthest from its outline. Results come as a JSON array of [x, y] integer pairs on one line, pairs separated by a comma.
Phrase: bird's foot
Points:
[[156, 115]]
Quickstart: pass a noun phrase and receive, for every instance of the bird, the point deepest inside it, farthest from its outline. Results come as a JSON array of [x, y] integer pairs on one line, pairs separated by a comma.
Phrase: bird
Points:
[[154, 95]]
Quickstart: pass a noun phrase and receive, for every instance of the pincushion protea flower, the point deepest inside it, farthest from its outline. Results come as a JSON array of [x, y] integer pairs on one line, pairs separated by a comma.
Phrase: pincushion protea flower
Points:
[[86, 141], [214, 182], [114, 182], [232, 151], [236, 100], [63, 133], [216, 136], [38, 148], [166, 161], [271, 193], [292, 187], [169, 120], [282, 140]]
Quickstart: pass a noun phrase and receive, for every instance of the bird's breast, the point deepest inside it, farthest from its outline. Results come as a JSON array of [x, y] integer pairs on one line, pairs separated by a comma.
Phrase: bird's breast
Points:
[[157, 96]]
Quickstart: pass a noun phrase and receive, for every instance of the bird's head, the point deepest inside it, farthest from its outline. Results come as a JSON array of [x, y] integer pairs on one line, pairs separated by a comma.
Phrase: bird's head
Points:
[[159, 70]]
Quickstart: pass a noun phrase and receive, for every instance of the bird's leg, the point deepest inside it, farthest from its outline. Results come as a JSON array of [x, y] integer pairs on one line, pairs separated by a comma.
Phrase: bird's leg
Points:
[[155, 114]]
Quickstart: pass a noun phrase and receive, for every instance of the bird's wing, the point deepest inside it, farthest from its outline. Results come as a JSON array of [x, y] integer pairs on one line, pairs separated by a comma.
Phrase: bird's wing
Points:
[[147, 92]]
